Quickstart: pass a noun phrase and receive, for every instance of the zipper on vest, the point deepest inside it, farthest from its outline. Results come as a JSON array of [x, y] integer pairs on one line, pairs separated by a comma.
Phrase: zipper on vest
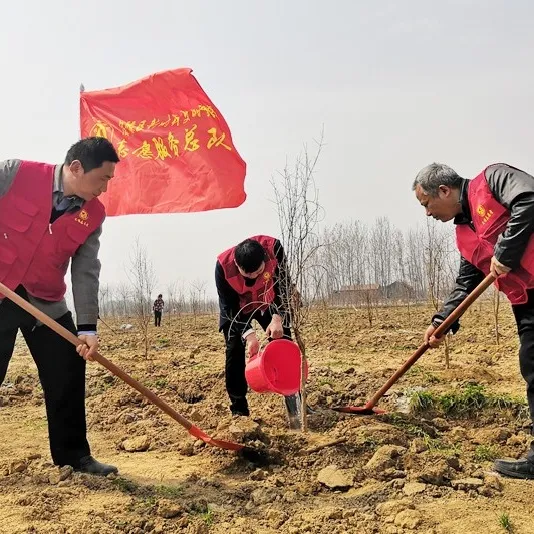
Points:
[[50, 228]]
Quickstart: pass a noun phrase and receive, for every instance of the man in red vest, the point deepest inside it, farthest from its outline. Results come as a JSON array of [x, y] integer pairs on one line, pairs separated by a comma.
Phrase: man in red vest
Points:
[[49, 217], [494, 218], [252, 283]]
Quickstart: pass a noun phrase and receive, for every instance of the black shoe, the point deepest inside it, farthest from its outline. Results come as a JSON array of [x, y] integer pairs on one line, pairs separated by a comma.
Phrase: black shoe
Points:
[[521, 468], [89, 465], [239, 406]]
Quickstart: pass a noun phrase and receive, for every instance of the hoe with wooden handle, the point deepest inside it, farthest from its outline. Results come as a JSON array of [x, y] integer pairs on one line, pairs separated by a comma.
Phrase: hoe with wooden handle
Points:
[[369, 408]]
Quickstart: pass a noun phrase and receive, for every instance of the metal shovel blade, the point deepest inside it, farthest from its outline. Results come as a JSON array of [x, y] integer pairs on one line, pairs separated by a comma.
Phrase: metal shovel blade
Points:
[[221, 443]]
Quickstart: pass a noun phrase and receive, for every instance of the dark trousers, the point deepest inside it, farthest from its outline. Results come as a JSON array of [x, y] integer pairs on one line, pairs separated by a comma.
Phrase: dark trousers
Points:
[[524, 317], [62, 375], [236, 384], [157, 318]]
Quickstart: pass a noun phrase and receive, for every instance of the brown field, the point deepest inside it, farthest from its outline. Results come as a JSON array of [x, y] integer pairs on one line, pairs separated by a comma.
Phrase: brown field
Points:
[[423, 467]]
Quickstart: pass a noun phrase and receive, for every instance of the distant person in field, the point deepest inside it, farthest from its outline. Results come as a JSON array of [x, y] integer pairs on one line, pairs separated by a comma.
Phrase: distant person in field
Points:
[[158, 309], [251, 280], [494, 218]]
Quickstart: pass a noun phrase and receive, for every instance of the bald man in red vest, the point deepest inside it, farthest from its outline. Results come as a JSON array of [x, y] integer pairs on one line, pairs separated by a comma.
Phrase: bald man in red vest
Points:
[[494, 218], [252, 282]]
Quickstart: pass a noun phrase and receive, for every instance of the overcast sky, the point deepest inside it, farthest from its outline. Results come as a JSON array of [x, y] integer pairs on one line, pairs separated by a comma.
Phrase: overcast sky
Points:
[[396, 85]]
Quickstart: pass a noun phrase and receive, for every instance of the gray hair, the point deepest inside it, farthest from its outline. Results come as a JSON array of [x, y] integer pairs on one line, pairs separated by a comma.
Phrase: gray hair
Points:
[[434, 175]]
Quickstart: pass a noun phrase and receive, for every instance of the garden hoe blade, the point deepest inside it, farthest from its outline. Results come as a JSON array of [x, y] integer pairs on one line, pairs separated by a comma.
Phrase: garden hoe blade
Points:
[[369, 408], [221, 443], [150, 395], [255, 456]]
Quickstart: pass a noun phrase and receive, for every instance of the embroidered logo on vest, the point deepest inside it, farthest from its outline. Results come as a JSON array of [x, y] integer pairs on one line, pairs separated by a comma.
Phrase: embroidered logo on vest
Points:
[[82, 218], [484, 214]]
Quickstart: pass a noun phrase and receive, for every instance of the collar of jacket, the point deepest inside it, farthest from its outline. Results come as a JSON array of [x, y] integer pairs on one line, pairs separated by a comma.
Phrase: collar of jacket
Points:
[[465, 216], [69, 203]]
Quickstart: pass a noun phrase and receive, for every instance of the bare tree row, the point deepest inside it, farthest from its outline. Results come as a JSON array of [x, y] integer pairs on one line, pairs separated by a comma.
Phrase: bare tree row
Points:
[[346, 263], [353, 261]]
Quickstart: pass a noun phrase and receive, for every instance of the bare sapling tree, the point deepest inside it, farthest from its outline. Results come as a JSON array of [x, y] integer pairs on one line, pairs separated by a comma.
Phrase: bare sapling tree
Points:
[[113, 301], [415, 264], [103, 299], [369, 274], [322, 304], [369, 304], [106, 305], [439, 268], [180, 304], [197, 297], [381, 250], [124, 292], [143, 280], [172, 290], [399, 272], [298, 209]]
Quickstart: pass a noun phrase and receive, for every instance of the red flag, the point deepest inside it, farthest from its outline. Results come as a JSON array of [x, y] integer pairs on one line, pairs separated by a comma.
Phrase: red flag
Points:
[[175, 147]]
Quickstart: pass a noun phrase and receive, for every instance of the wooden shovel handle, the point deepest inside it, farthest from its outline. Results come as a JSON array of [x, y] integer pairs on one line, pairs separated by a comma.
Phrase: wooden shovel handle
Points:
[[69, 336]]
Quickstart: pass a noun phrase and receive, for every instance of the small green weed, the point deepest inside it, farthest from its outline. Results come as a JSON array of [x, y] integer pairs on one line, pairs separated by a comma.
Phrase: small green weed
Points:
[[422, 401], [486, 453], [505, 522], [466, 401]]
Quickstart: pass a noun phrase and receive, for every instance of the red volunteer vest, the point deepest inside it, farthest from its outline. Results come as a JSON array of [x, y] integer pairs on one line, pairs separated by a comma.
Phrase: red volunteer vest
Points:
[[33, 252], [261, 294], [490, 219]]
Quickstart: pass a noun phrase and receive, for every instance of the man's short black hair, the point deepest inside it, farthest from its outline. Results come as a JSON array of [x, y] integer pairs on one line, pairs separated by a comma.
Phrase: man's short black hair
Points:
[[249, 255], [92, 152]]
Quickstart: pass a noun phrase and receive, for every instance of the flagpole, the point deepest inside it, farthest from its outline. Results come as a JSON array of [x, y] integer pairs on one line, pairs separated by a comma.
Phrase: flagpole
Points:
[[82, 89]]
